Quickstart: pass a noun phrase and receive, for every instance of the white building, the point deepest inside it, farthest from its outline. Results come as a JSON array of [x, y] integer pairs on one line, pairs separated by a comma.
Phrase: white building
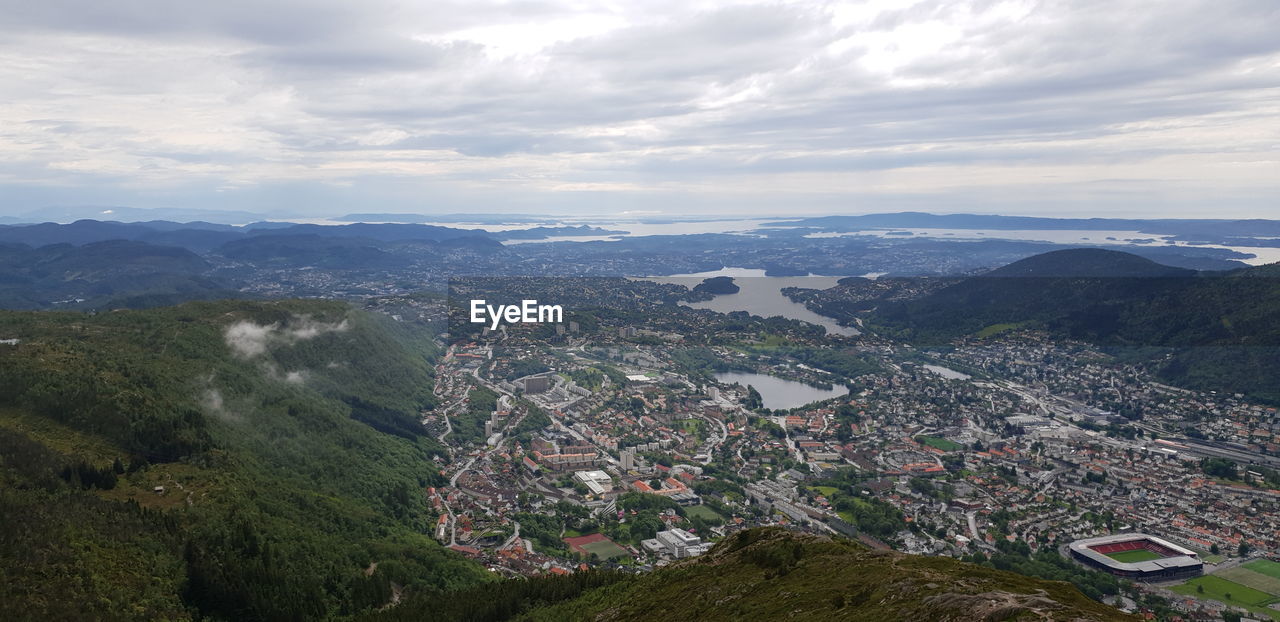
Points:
[[598, 482], [679, 543]]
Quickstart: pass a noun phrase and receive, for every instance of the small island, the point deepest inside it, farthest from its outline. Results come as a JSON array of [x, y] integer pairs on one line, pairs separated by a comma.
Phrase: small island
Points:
[[717, 285]]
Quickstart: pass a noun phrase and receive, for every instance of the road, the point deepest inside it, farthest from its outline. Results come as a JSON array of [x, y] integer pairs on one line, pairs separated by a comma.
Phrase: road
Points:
[[514, 535], [448, 427], [453, 479], [714, 443]]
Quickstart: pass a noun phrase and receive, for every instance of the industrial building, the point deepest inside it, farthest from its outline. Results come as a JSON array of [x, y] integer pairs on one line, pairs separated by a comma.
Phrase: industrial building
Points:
[[677, 543]]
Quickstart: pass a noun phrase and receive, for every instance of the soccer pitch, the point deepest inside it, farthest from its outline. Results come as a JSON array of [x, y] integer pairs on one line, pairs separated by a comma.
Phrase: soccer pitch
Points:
[[605, 549], [1129, 557], [939, 443], [702, 511]]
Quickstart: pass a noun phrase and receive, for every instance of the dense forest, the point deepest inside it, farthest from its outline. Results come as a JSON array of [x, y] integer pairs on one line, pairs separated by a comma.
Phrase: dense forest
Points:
[[229, 460]]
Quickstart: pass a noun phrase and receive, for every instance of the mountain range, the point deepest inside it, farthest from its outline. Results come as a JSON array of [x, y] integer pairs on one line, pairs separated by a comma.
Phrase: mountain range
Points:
[[1184, 229]]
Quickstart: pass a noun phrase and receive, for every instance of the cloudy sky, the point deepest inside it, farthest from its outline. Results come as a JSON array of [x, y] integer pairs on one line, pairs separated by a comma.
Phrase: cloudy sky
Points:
[[1073, 107]]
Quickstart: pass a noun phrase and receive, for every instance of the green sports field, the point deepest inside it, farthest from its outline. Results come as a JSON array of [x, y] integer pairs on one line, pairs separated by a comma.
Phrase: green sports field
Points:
[[1262, 566], [701, 511], [605, 549], [1129, 557], [1250, 578], [939, 443], [1227, 591], [1218, 588]]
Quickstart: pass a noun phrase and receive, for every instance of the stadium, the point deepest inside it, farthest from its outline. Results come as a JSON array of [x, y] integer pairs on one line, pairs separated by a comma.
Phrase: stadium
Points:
[[1138, 556]]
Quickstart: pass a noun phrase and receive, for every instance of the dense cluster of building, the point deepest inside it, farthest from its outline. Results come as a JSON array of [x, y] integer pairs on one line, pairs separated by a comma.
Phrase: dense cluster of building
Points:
[[1028, 444]]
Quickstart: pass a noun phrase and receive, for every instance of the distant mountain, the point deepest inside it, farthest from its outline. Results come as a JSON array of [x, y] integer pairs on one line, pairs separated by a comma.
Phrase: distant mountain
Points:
[[389, 232], [198, 240], [202, 236], [139, 214], [1189, 257], [1196, 228], [279, 250], [774, 574], [494, 219], [169, 225], [1087, 263], [1219, 329], [101, 274], [113, 256], [197, 236], [78, 232]]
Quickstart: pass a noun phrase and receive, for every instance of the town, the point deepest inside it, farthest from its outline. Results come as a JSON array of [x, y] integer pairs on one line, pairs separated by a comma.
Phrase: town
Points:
[[604, 441]]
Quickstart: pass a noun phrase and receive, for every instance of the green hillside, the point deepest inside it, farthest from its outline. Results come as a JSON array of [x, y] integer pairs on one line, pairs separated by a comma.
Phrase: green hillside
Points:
[[772, 574], [1088, 263], [1218, 330], [284, 435]]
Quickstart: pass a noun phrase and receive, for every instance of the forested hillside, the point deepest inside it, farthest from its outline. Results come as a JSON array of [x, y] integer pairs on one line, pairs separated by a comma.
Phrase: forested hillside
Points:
[[226, 460], [1214, 331]]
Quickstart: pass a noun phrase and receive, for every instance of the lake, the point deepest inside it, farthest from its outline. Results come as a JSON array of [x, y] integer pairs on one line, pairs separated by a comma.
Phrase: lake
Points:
[[779, 393], [762, 295], [946, 372]]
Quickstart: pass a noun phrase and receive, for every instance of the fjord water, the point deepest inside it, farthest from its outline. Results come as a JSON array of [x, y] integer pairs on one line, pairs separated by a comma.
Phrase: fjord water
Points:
[[781, 393], [762, 295]]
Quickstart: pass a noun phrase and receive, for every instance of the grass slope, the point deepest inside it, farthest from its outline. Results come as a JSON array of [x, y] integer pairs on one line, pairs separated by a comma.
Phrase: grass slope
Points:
[[772, 574]]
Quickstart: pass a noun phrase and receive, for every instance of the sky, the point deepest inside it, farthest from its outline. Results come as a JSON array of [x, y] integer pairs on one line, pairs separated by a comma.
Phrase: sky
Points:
[[315, 108]]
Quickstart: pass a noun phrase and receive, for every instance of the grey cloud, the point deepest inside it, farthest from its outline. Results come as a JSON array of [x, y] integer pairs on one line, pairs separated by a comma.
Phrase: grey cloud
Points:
[[714, 46], [264, 95]]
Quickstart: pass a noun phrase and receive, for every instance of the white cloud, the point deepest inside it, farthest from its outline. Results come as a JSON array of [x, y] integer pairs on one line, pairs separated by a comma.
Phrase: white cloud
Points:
[[250, 340]]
